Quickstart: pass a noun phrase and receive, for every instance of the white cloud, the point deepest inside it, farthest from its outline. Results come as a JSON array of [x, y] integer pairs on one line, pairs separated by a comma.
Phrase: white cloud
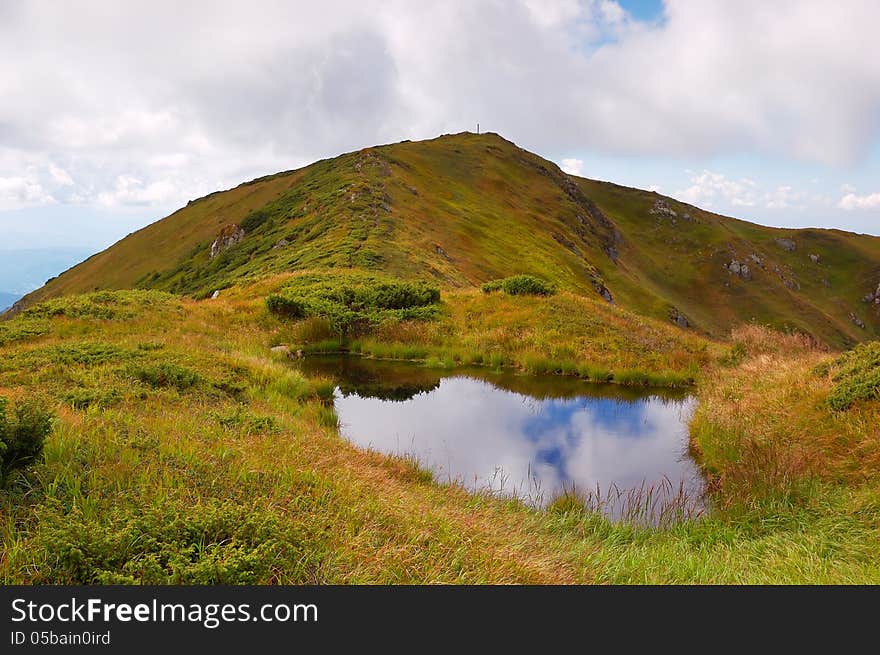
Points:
[[572, 166], [21, 191], [129, 190], [852, 201], [785, 197], [60, 175], [707, 188], [267, 86]]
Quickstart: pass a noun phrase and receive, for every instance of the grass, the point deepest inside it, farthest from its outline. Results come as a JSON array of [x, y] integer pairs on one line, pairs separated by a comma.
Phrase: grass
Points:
[[562, 334], [242, 477], [465, 209]]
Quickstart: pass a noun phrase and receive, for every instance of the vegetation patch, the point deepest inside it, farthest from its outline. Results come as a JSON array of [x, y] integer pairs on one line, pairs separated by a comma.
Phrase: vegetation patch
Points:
[[355, 305], [521, 285], [857, 376], [214, 542], [104, 305], [22, 330], [22, 435], [165, 375]]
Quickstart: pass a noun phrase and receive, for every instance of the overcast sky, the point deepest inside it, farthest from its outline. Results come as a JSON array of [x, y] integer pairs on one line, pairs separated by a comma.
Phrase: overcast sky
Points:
[[113, 114]]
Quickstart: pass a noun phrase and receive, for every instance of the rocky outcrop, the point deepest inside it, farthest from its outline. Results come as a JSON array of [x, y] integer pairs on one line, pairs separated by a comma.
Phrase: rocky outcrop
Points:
[[786, 244], [661, 208], [873, 297], [228, 237], [442, 252], [739, 269], [855, 319], [678, 318]]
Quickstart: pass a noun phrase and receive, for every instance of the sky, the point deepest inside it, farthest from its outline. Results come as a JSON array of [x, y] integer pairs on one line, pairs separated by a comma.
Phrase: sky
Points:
[[113, 114]]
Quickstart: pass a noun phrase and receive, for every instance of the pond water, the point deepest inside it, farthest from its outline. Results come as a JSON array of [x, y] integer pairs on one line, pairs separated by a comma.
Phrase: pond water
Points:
[[533, 437]]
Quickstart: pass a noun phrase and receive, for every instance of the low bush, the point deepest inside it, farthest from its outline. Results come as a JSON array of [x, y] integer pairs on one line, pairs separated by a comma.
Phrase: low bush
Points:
[[857, 376], [22, 436], [254, 220], [355, 305], [166, 375], [520, 285]]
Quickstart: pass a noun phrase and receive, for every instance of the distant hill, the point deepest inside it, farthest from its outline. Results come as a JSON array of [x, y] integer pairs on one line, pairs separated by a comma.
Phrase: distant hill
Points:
[[6, 300], [462, 209]]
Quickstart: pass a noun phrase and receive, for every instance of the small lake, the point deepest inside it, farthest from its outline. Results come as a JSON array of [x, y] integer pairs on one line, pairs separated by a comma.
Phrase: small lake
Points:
[[532, 437]]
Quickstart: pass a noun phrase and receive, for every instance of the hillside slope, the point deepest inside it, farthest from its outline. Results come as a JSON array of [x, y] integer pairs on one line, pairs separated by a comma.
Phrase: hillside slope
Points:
[[466, 208]]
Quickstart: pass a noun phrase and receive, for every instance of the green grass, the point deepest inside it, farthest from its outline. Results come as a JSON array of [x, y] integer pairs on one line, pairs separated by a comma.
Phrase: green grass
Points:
[[242, 477], [857, 376], [463, 210], [183, 450]]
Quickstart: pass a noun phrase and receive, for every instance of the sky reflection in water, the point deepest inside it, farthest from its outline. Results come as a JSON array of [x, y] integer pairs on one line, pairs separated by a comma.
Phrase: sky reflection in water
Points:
[[514, 434]]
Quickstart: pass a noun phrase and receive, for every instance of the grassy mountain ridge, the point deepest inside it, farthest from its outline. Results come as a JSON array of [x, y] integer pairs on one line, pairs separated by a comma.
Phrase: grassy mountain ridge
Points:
[[463, 209]]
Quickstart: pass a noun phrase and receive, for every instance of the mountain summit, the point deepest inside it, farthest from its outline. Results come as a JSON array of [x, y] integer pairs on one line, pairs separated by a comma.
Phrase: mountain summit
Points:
[[463, 209]]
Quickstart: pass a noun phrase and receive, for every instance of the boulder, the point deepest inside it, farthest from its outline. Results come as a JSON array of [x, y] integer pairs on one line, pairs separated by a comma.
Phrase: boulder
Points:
[[215, 295], [814, 258], [739, 269], [228, 237], [661, 208], [678, 318], [786, 244]]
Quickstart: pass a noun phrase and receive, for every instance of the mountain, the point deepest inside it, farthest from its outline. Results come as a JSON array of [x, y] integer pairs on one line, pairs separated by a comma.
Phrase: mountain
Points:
[[6, 299], [463, 209]]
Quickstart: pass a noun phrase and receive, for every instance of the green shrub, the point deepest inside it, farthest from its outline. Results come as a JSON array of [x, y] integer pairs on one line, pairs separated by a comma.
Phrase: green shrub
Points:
[[102, 305], [355, 304], [491, 285], [285, 307], [857, 374], [166, 375], [212, 542], [254, 220], [520, 285], [22, 437], [83, 398]]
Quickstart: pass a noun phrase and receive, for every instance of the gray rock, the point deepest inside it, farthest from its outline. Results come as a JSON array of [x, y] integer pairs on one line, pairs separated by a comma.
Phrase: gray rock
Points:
[[738, 269], [855, 319], [814, 258], [442, 252], [215, 295], [281, 243], [678, 318], [786, 244], [755, 258], [281, 350], [228, 237], [661, 208], [602, 290]]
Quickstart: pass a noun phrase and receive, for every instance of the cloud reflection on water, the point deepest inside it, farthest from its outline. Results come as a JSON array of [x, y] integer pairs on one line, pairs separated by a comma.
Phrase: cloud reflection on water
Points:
[[489, 438]]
